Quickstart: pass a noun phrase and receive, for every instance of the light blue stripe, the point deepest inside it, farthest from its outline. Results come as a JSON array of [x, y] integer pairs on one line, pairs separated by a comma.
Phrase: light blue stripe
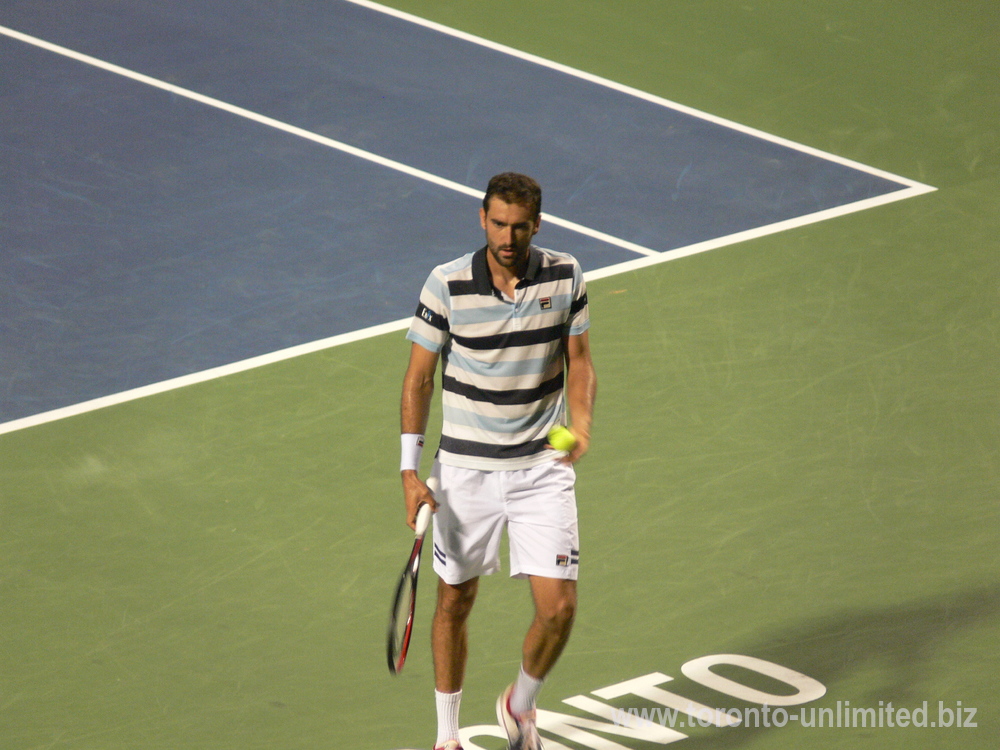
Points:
[[494, 310], [548, 417], [536, 366], [424, 342], [459, 264], [438, 289]]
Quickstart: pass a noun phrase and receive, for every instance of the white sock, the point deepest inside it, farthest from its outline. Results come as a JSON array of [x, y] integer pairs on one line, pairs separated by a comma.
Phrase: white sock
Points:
[[526, 690], [447, 712]]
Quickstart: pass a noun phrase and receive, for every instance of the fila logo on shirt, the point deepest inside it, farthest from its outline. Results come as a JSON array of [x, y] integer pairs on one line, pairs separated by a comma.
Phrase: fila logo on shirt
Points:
[[545, 303]]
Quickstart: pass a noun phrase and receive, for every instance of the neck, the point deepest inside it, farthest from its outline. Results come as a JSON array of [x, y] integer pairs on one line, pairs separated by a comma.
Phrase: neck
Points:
[[506, 278]]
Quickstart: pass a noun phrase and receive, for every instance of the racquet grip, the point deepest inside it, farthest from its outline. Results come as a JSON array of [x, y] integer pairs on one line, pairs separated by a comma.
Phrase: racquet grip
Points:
[[423, 520]]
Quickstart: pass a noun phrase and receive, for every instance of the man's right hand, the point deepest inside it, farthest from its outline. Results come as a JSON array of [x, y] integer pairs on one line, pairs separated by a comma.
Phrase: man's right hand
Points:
[[415, 493]]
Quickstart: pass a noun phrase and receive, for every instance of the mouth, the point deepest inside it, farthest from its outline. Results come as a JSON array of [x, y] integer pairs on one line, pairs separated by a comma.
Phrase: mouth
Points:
[[507, 255]]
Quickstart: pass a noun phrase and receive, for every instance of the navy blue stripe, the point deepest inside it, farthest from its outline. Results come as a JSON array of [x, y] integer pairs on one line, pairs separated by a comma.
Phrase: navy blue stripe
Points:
[[561, 272], [513, 338], [558, 272], [490, 450], [429, 316], [511, 397], [460, 287], [578, 305]]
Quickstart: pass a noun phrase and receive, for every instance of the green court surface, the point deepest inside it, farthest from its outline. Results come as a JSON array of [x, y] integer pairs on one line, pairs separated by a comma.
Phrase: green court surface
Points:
[[796, 455]]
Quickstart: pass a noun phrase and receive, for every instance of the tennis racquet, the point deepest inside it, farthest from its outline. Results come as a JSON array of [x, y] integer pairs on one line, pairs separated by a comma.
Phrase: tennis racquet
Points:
[[404, 603]]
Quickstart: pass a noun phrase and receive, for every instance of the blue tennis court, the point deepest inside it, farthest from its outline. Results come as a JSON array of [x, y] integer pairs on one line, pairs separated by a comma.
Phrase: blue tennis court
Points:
[[152, 236]]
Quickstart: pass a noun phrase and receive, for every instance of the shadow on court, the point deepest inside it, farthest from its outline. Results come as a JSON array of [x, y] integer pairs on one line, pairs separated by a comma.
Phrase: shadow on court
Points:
[[898, 642]]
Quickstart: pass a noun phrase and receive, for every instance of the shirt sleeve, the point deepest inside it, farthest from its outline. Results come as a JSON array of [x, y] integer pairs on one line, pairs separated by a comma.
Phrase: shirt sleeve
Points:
[[431, 326], [579, 313]]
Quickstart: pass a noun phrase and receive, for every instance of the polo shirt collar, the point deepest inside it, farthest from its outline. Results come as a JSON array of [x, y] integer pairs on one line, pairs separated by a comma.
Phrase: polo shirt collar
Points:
[[483, 280]]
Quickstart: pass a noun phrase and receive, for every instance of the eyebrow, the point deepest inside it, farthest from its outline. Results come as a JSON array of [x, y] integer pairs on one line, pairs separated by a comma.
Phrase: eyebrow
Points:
[[499, 223]]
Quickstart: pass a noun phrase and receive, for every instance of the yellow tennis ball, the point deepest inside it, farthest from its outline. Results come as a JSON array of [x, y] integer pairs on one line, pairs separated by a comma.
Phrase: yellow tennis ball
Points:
[[562, 439]]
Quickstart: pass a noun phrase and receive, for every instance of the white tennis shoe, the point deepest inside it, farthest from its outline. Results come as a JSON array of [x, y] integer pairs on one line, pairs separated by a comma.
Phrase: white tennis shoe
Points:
[[522, 734]]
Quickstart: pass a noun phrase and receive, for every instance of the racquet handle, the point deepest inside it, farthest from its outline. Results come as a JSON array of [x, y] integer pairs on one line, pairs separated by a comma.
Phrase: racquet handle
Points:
[[424, 511], [423, 520]]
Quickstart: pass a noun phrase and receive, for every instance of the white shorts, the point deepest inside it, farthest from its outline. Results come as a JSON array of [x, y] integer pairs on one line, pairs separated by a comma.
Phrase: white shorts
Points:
[[537, 505]]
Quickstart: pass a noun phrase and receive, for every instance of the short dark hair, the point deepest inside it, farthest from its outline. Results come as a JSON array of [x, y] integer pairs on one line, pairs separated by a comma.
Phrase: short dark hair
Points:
[[511, 187]]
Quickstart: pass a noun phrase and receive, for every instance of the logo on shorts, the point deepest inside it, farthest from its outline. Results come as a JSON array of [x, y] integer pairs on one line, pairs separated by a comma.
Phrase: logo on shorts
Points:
[[564, 561], [545, 303]]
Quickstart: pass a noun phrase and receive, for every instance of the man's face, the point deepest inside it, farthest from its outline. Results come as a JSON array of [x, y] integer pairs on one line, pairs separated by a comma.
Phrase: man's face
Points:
[[509, 229]]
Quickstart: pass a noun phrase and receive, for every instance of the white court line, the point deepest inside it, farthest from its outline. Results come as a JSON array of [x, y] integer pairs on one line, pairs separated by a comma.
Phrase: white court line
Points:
[[651, 257], [400, 325], [306, 134], [750, 234], [200, 377], [528, 57]]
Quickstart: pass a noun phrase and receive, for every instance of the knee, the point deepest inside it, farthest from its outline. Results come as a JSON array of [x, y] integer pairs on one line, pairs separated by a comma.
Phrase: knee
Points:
[[557, 615], [455, 602]]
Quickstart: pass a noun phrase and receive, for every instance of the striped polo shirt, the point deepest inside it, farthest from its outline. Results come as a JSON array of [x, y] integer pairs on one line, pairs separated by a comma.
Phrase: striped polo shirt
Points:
[[502, 359]]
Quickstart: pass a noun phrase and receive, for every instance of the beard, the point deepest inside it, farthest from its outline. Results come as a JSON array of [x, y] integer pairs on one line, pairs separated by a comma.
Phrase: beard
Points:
[[516, 256]]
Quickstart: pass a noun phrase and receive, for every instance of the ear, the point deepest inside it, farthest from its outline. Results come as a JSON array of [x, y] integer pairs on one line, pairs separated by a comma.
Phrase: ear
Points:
[[482, 216], [538, 225]]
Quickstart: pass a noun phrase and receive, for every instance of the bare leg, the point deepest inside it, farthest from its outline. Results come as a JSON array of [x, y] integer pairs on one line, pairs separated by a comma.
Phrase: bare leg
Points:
[[555, 608], [449, 633]]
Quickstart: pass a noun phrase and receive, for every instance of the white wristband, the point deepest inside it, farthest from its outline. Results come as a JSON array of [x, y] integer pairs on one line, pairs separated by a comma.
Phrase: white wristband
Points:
[[412, 446]]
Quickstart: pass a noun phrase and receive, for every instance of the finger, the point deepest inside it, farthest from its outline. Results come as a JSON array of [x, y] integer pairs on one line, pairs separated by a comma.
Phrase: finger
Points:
[[433, 487]]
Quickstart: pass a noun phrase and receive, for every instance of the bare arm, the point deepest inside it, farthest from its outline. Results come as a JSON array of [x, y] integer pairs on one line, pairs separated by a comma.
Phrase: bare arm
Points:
[[581, 391], [415, 406]]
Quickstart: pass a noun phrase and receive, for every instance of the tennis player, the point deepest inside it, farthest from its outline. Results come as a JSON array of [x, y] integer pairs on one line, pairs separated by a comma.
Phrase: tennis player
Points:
[[509, 324]]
